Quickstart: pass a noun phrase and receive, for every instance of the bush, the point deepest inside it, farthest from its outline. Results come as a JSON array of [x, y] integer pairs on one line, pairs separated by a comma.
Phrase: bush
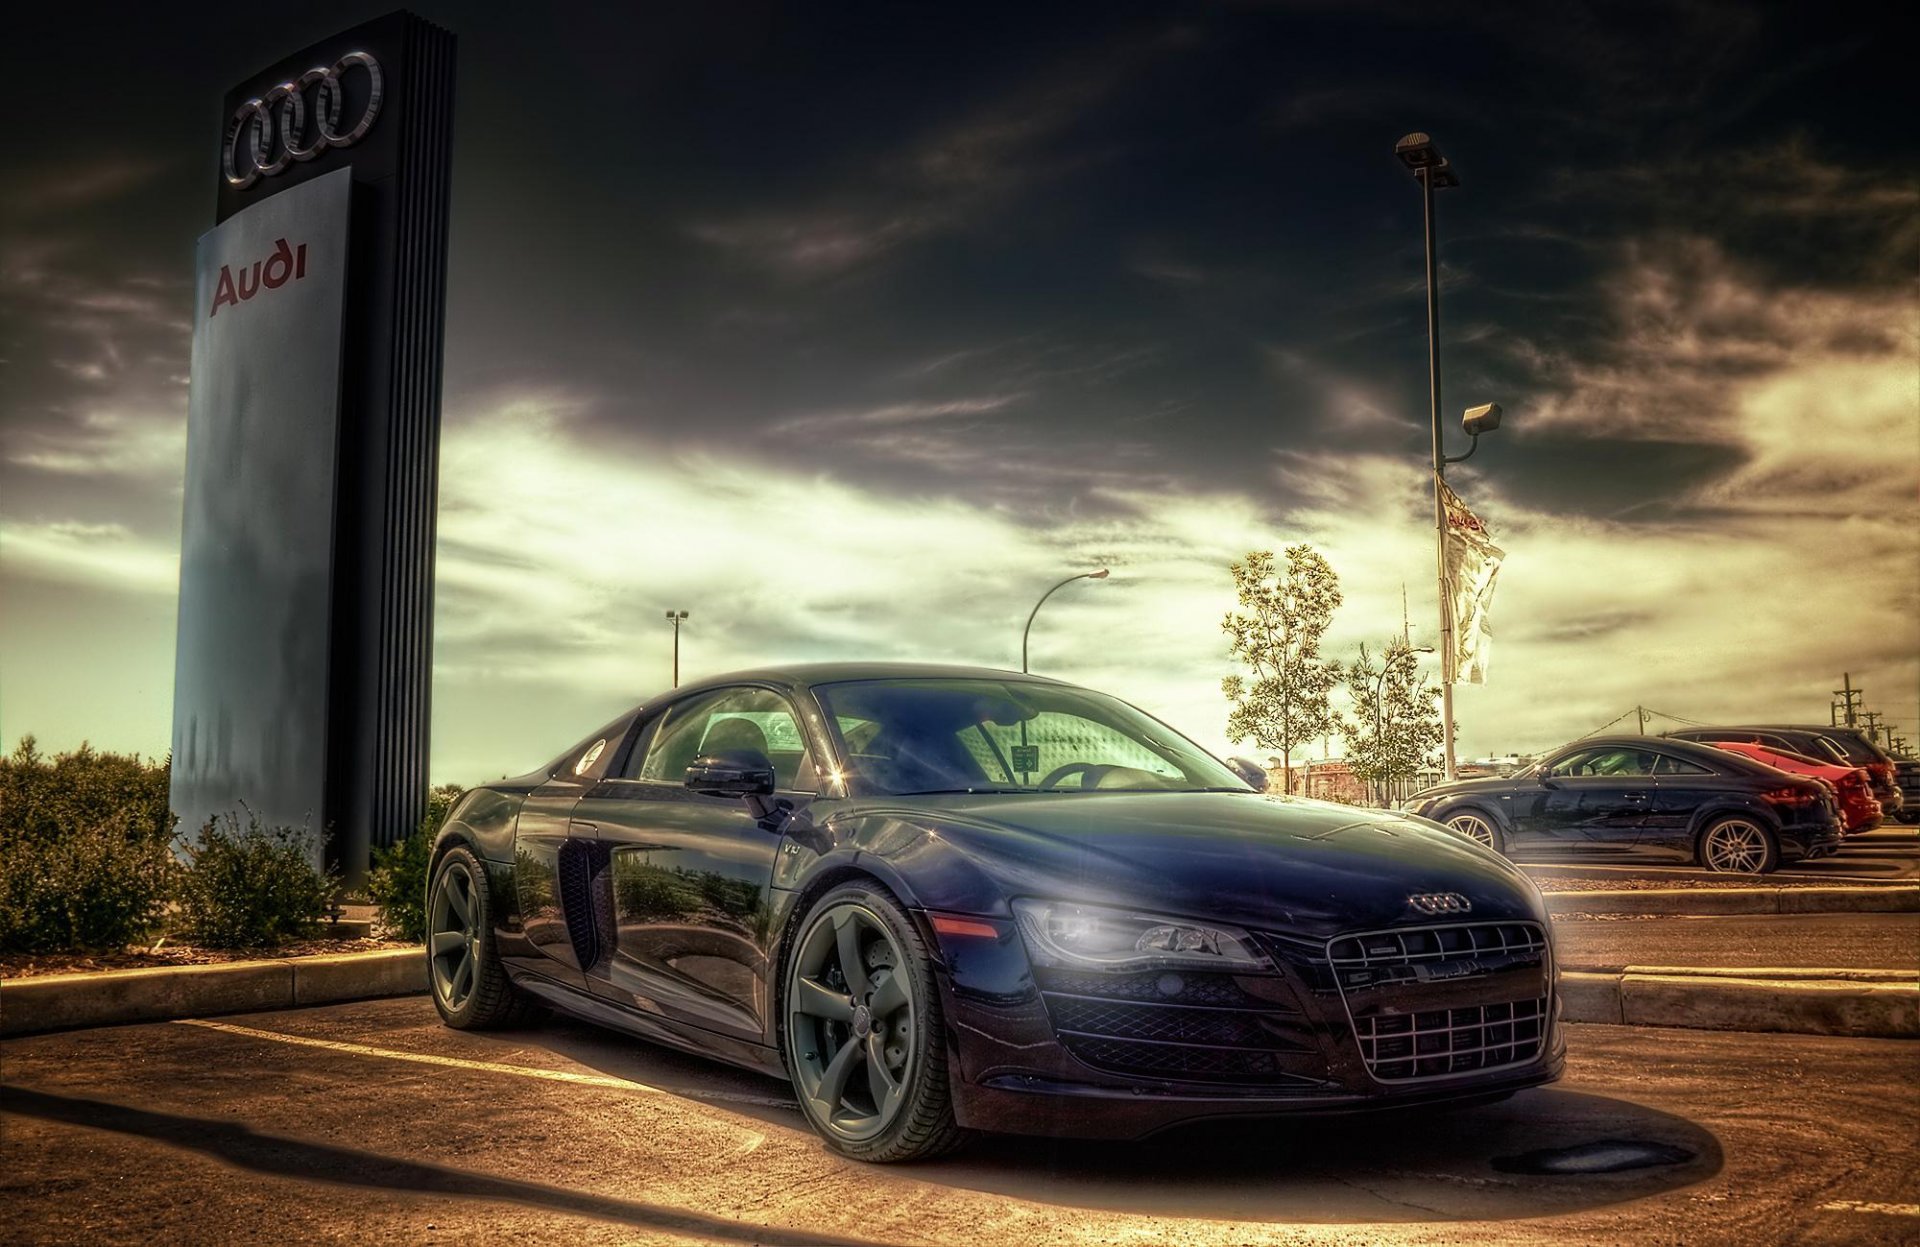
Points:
[[251, 888], [397, 883], [84, 857]]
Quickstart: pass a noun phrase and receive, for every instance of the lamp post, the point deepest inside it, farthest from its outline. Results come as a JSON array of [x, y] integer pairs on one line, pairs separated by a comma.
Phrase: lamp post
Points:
[[1099, 575], [1379, 683], [674, 618], [1422, 158]]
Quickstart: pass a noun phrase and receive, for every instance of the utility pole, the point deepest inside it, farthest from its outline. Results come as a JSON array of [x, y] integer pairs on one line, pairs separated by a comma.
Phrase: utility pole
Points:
[[1873, 723], [1642, 712], [1850, 705]]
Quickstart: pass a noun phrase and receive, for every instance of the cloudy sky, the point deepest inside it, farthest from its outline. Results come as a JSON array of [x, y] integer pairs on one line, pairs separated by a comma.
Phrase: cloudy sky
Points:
[[849, 330]]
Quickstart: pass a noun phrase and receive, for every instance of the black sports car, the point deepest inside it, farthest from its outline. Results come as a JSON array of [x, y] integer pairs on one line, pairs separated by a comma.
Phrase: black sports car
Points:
[[944, 899], [1649, 796]]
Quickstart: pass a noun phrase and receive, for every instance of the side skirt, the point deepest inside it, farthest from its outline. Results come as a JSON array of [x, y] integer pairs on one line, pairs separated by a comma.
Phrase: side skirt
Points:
[[691, 1039]]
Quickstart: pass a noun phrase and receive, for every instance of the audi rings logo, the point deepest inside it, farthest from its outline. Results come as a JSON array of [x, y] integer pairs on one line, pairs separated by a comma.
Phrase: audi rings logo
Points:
[[1437, 903], [302, 132]]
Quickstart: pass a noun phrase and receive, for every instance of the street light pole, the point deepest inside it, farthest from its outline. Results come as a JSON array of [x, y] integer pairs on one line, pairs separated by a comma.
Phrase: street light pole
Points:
[[1431, 170], [674, 617], [1099, 575]]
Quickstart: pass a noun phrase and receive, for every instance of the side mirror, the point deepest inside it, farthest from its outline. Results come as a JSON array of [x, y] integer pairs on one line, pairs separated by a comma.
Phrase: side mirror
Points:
[[1482, 419], [1249, 770], [731, 773]]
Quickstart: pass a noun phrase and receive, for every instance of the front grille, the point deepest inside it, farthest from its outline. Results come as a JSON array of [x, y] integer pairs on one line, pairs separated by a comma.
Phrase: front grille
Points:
[[1377, 949], [1404, 1046], [1386, 976], [1194, 1027]]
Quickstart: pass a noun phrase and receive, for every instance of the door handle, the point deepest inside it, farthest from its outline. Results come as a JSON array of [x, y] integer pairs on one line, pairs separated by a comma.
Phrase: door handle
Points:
[[1636, 796], [581, 827]]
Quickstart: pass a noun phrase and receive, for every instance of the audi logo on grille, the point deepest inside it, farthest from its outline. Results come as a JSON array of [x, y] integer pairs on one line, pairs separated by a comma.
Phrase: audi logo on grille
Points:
[[1440, 903], [283, 110]]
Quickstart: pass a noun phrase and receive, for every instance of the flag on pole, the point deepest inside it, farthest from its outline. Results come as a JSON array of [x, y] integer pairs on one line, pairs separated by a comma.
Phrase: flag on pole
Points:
[[1473, 564]]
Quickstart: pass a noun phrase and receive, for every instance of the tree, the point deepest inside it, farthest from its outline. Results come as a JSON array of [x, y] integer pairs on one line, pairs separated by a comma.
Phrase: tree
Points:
[[1283, 613], [1395, 726]]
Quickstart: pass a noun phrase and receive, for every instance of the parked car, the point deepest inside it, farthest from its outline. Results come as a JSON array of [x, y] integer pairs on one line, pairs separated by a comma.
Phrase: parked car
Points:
[[1644, 796], [1859, 810], [1906, 773], [1845, 746], [945, 899]]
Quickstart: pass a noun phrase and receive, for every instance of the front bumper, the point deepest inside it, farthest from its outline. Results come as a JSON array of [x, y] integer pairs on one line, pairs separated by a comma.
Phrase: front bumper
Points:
[[1054, 1053]]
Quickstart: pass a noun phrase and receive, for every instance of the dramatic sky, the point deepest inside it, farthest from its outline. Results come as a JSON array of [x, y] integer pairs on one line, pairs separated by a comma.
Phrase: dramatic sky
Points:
[[849, 330]]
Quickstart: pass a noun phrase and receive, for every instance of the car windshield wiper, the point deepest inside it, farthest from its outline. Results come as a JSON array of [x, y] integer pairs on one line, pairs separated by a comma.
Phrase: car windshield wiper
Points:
[[939, 792]]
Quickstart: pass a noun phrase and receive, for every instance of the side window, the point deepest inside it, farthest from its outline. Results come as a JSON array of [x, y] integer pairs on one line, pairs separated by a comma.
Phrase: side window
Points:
[[736, 718], [1571, 765], [1667, 764]]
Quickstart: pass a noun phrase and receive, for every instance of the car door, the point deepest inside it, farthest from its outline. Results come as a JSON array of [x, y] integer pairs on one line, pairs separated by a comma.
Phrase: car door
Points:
[[1597, 799], [1680, 786], [554, 937], [688, 877]]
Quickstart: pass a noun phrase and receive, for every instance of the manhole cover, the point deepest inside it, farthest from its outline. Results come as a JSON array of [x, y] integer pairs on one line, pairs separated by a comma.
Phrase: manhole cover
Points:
[[1605, 1156]]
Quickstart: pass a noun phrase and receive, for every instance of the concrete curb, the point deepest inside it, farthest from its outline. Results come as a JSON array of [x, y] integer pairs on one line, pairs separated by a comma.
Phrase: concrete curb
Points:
[[71, 1001], [1838, 1002], [1878, 899]]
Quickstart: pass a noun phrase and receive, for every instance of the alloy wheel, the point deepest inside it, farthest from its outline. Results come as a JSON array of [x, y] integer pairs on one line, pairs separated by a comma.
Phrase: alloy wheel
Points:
[[1473, 827], [453, 935], [1735, 846], [851, 1021]]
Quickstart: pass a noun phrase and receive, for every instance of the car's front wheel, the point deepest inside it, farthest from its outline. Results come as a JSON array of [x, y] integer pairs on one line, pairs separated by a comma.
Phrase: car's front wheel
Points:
[[862, 1030], [1738, 846], [469, 985]]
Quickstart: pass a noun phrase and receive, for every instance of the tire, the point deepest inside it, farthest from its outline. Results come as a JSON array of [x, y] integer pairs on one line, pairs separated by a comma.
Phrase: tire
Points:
[[468, 984], [1478, 826], [1738, 846], [866, 1051]]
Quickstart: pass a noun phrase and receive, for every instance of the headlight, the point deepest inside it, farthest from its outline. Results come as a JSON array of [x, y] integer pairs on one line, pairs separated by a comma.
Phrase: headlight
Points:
[[1092, 937]]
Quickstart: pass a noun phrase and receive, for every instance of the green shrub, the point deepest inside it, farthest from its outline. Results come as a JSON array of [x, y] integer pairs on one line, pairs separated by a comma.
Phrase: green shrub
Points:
[[397, 883], [254, 887], [84, 857]]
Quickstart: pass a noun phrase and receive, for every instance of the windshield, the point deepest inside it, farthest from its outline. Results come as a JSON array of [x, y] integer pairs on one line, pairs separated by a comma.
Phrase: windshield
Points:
[[902, 737]]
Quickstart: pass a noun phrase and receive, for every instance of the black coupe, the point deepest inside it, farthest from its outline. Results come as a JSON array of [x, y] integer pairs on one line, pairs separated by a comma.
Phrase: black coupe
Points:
[[944, 899], [1645, 796]]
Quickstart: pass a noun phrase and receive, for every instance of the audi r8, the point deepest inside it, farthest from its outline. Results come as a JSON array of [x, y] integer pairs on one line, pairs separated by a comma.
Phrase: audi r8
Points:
[[1644, 796], [944, 900]]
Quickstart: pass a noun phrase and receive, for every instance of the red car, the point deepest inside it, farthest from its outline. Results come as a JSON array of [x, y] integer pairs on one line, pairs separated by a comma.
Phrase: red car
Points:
[[1859, 809]]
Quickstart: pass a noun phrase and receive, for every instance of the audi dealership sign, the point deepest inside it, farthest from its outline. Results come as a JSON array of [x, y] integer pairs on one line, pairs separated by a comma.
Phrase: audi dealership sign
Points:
[[302, 682]]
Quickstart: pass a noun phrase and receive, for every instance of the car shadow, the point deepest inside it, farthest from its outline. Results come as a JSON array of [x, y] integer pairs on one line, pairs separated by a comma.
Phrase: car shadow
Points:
[[307, 1160], [1404, 1165]]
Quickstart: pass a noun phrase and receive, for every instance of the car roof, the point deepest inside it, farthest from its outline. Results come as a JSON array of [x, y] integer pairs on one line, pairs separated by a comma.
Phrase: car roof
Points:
[[1704, 754], [804, 674]]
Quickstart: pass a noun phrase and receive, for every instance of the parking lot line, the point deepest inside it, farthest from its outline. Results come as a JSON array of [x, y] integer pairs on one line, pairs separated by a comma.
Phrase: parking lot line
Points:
[[1856, 1205], [493, 1067]]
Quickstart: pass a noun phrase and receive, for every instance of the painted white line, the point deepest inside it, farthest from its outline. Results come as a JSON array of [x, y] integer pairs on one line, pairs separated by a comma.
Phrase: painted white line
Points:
[[1855, 1205], [491, 1067]]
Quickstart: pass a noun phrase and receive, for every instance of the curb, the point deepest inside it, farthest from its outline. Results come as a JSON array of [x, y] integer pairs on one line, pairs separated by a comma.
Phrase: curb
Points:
[[71, 1001], [1877, 1004], [1879, 899]]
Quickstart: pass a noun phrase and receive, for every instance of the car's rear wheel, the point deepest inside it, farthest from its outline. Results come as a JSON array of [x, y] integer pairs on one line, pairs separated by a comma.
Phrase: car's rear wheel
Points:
[[862, 1030], [1738, 846], [1478, 828], [469, 985]]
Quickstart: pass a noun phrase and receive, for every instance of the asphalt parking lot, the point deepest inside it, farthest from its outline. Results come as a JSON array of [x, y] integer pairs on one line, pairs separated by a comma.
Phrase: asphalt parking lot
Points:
[[370, 1121]]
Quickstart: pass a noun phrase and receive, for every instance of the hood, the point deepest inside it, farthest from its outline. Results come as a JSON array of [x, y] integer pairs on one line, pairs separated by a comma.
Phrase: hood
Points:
[[1276, 863], [1463, 787]]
